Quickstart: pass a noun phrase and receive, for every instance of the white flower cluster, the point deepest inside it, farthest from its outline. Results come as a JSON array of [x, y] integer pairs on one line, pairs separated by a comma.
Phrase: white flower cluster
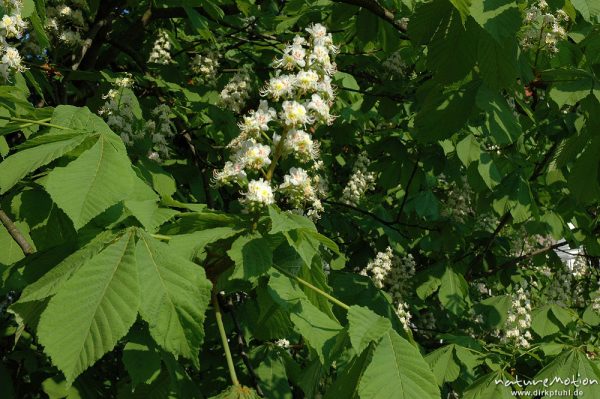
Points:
[[360, 181], [518, 321], [65, 23], [543, 30], [118, 111], [302, 87], [403, 314], [394, 66], [283, 343], [458, 203], [12, 28], [161, 50], [393, 274], [206, 67], [559, 290], [596, 304], [236, 92]]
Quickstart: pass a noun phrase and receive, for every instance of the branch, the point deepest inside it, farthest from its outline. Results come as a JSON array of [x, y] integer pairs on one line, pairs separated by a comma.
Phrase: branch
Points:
[[410, 180], [380, 11], [533, 253], [16, 234], [221, 327], [387, 223]]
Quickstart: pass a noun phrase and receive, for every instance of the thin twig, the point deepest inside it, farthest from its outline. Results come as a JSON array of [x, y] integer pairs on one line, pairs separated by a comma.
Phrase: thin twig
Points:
[[242, 346], [377, 9], [408, 183], [221, 327], [16, 234]]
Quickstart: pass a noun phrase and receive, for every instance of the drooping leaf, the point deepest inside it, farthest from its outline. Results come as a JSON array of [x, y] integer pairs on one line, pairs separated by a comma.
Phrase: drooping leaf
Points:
[[99, 178], [19, 165], [92, 310], [397, 370], [252, 256], [174, 297], [444, 363], [365, 326]]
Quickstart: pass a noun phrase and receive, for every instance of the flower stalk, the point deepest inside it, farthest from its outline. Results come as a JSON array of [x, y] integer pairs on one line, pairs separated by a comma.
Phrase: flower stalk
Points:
[[219, 318]]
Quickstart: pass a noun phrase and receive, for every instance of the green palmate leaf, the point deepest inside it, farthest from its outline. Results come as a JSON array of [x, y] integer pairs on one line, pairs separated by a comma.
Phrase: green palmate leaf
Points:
[[252, 256], [497, 61], [305, 245], [589, 9], [569, 85], [397, 370], [365, 326], [488, 170], [468, 150], [346, 384], [462, 6], [494, 310], [454, 292], [141, 359], [428, 18], [500, 121], [320, 331], [585, 175], [270, 370], [452, 63], [79, 119], [443, 114], [19, 165], [286, 221], [500, 18], [11, 251], [99, 178], [190, 245], [150, 215], [567, 366], [444, 363], [92, 310], [486, 387], [51, 282], [544, 320], [174, 297]]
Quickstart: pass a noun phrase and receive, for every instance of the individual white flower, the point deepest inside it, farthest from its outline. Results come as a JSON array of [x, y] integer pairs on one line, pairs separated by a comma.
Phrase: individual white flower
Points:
[[299, 144], [64, 10], [12, 58], [320, 109], [294, 114], [254, 123], [293, 56], [13, 26], [317, 31], [258, 194], [279, 87], [231, 173], [326, 89], [70, 37], [306, 81], [253, 155], [125, 81]]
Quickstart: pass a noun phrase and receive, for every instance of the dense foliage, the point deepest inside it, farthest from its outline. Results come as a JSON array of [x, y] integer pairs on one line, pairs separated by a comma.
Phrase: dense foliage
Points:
[[321, 199]]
